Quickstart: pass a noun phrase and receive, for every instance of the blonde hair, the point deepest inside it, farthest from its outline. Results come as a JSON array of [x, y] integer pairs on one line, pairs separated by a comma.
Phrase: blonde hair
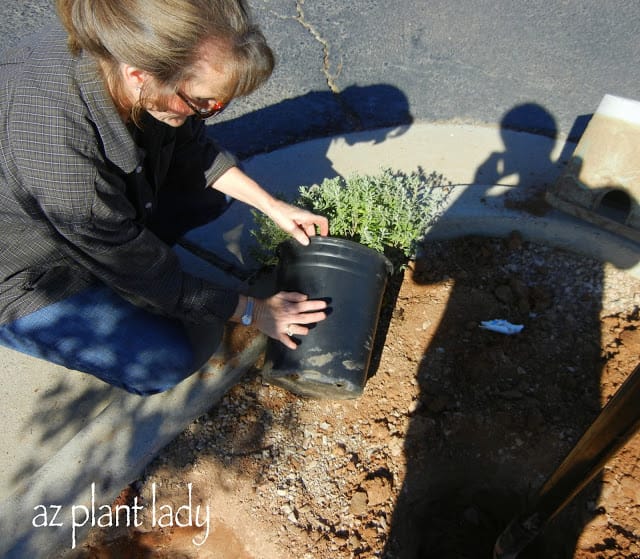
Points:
[[165, 38]]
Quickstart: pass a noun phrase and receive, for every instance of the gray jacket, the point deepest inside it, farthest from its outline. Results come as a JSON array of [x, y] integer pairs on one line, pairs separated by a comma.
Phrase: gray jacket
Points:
[[75, 193]]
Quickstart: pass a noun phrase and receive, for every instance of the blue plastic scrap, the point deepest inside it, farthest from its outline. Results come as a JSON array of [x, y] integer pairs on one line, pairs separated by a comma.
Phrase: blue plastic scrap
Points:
[[501, 326]]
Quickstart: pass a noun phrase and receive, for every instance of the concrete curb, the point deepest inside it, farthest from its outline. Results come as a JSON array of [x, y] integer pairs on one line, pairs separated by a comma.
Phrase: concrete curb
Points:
[[105, 456], [494, 172], [488, 215]]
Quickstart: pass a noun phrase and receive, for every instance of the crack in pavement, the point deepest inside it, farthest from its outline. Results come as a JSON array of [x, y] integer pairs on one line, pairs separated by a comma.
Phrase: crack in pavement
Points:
[[326, 63], [352, 116]]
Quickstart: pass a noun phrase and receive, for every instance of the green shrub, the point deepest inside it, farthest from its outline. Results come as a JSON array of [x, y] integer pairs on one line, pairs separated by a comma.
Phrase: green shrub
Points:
[[389, 212]]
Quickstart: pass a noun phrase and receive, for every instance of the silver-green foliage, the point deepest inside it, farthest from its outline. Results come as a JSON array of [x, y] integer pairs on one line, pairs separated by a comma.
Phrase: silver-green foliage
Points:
[[392, 210]]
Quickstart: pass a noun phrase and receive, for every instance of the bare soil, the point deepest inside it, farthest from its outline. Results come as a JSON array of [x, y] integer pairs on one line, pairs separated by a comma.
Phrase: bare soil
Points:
[[457, 428]]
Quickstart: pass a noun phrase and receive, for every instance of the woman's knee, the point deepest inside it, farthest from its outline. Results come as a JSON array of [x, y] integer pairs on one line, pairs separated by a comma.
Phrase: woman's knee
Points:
[[158, 370], [144, 372]]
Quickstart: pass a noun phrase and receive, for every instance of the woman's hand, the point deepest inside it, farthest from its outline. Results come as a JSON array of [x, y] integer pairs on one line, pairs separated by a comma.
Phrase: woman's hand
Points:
[[287, 314], [299, 223]]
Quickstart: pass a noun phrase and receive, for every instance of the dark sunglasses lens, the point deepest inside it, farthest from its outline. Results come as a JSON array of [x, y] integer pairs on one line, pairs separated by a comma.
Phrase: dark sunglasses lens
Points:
[[210, 113]]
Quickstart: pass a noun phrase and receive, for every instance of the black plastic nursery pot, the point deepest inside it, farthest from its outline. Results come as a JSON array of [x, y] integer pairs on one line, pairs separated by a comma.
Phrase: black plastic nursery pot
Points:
[[332, 361]]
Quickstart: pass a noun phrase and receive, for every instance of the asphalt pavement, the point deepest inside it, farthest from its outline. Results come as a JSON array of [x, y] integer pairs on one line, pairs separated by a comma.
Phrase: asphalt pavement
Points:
[[369, 63]]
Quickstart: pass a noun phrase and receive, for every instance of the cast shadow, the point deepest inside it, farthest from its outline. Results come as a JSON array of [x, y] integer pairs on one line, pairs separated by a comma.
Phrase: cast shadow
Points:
[[507, 428], [517, 154], [315, 115]]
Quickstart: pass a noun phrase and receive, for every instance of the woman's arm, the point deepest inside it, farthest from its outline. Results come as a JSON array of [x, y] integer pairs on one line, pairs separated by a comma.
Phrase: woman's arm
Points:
[[299, 223]]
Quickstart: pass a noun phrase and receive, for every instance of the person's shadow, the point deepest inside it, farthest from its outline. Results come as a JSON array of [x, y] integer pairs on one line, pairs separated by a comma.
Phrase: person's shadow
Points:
[[461, 491], [315, 115], [518, 153], [511, 161]]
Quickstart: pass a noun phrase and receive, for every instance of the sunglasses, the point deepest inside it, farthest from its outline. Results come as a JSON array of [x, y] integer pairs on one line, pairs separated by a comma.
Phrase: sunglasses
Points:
[[213, 107]]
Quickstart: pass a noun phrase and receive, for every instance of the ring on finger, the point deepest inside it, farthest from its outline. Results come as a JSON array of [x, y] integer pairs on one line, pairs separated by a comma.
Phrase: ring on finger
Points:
[[288, 330]]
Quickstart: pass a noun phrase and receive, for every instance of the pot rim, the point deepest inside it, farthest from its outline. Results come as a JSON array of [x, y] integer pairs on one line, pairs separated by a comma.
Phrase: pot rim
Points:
[[318, 240]]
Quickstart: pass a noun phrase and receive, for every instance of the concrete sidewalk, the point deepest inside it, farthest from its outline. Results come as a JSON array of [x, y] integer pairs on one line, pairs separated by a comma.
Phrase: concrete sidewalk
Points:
[[65, 431]]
